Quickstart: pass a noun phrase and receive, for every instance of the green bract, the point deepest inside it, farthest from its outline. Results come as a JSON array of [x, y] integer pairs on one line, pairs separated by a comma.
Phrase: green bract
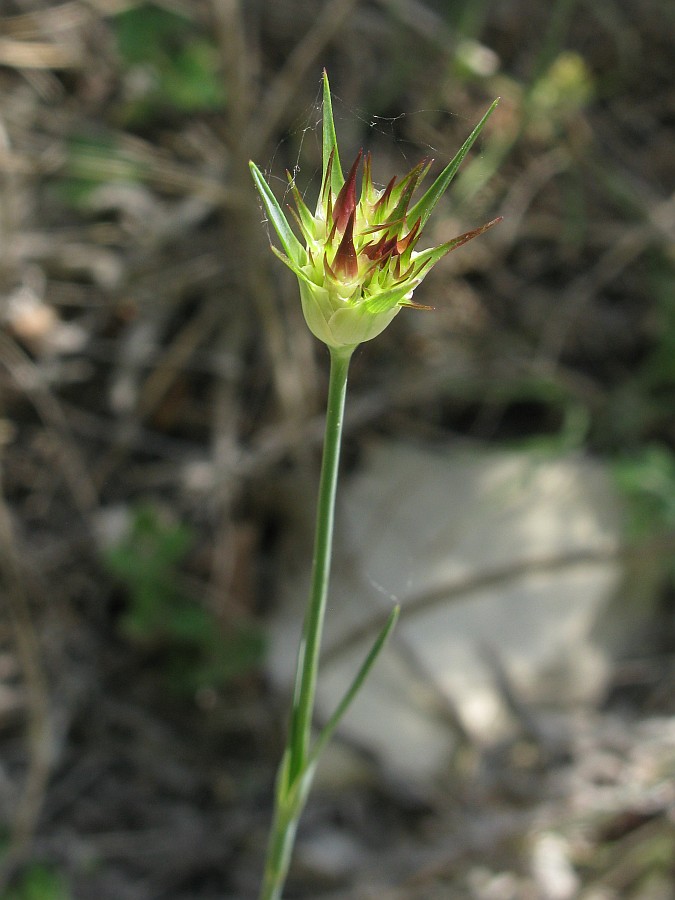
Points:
[[357, 265]]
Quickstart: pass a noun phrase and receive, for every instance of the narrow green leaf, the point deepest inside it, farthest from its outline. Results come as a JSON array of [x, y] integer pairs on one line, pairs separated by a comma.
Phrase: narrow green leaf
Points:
[[290, 243], [282, 786], [330, 141], [422, 209], [299, 790], [330, 726]]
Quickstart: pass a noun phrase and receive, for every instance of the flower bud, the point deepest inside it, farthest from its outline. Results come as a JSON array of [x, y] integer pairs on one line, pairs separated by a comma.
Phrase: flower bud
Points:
[[357, 264]]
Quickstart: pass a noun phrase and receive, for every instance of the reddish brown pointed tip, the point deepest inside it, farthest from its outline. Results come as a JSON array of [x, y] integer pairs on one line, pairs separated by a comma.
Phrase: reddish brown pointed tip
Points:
[[490, 224], [386, 194], [367, 180], [345, 263], [382, 250], [403, 244], [476, 232], [410, 304], [346, 200], [327, 268], [325, 187]]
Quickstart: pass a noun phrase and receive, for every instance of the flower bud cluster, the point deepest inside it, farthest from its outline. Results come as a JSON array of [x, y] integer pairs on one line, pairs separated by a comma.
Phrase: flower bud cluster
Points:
[[358, 265]]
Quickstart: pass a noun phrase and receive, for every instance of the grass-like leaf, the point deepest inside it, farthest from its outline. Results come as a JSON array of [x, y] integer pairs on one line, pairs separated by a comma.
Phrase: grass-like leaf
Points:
[[330, 142], [294, 249], [329, 728], [422, 209]]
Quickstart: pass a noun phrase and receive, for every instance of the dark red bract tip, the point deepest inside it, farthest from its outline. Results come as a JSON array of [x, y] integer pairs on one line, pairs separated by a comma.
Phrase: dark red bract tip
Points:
[[345, 263], [403, 243], [346, 199], [386, 194]]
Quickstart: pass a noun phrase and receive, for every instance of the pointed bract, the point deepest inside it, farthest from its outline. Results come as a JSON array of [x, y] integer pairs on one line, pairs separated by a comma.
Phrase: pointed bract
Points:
[[346, 200], [304, 214], [366, 179], [405, 189], [345, 262], [383, 200]]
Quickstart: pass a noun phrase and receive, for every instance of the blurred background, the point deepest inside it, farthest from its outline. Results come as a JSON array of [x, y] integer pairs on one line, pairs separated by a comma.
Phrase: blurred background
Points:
[[161, 428]]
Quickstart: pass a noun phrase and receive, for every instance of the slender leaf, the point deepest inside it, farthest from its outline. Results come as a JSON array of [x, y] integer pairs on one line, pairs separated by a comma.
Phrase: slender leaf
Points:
[[290, 243], [344, 704], [422, 209], [330, 141]]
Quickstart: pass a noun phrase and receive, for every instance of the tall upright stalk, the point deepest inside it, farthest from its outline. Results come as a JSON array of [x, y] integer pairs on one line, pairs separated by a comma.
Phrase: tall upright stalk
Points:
[[310, 643], [294, 776]]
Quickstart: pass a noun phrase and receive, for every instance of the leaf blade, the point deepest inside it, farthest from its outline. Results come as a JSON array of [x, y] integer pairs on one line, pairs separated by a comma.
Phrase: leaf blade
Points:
[[344, 704], [329, 141], [424, 206], [294, 249]]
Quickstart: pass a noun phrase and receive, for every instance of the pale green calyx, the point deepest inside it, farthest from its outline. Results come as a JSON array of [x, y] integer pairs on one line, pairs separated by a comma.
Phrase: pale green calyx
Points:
[[357, 264]]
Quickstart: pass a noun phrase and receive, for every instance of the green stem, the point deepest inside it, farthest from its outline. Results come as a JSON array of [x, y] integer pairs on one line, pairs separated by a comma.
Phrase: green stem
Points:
[[310, 643], [279, 850], [294, 778]]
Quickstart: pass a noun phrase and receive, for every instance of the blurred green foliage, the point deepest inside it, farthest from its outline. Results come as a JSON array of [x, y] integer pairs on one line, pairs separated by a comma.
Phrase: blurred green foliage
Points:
[[39, 883], [195, 649], [648, 479], [94, 160], [562, 91], [170, 64], [169, 67]]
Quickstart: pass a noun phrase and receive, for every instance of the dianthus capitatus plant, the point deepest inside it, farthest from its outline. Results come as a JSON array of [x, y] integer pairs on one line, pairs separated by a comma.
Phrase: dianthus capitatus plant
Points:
[[357, 265]]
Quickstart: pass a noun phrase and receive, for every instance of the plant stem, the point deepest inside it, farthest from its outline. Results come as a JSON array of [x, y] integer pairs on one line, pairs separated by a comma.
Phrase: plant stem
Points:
[[294, 778], [310, 643]]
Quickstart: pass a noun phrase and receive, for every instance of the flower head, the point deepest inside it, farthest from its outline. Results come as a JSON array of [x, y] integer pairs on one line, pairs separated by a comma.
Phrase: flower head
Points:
[[357, 265]]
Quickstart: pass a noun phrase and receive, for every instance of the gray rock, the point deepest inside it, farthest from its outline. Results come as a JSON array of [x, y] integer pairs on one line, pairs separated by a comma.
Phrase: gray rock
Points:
[[497, 550]]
